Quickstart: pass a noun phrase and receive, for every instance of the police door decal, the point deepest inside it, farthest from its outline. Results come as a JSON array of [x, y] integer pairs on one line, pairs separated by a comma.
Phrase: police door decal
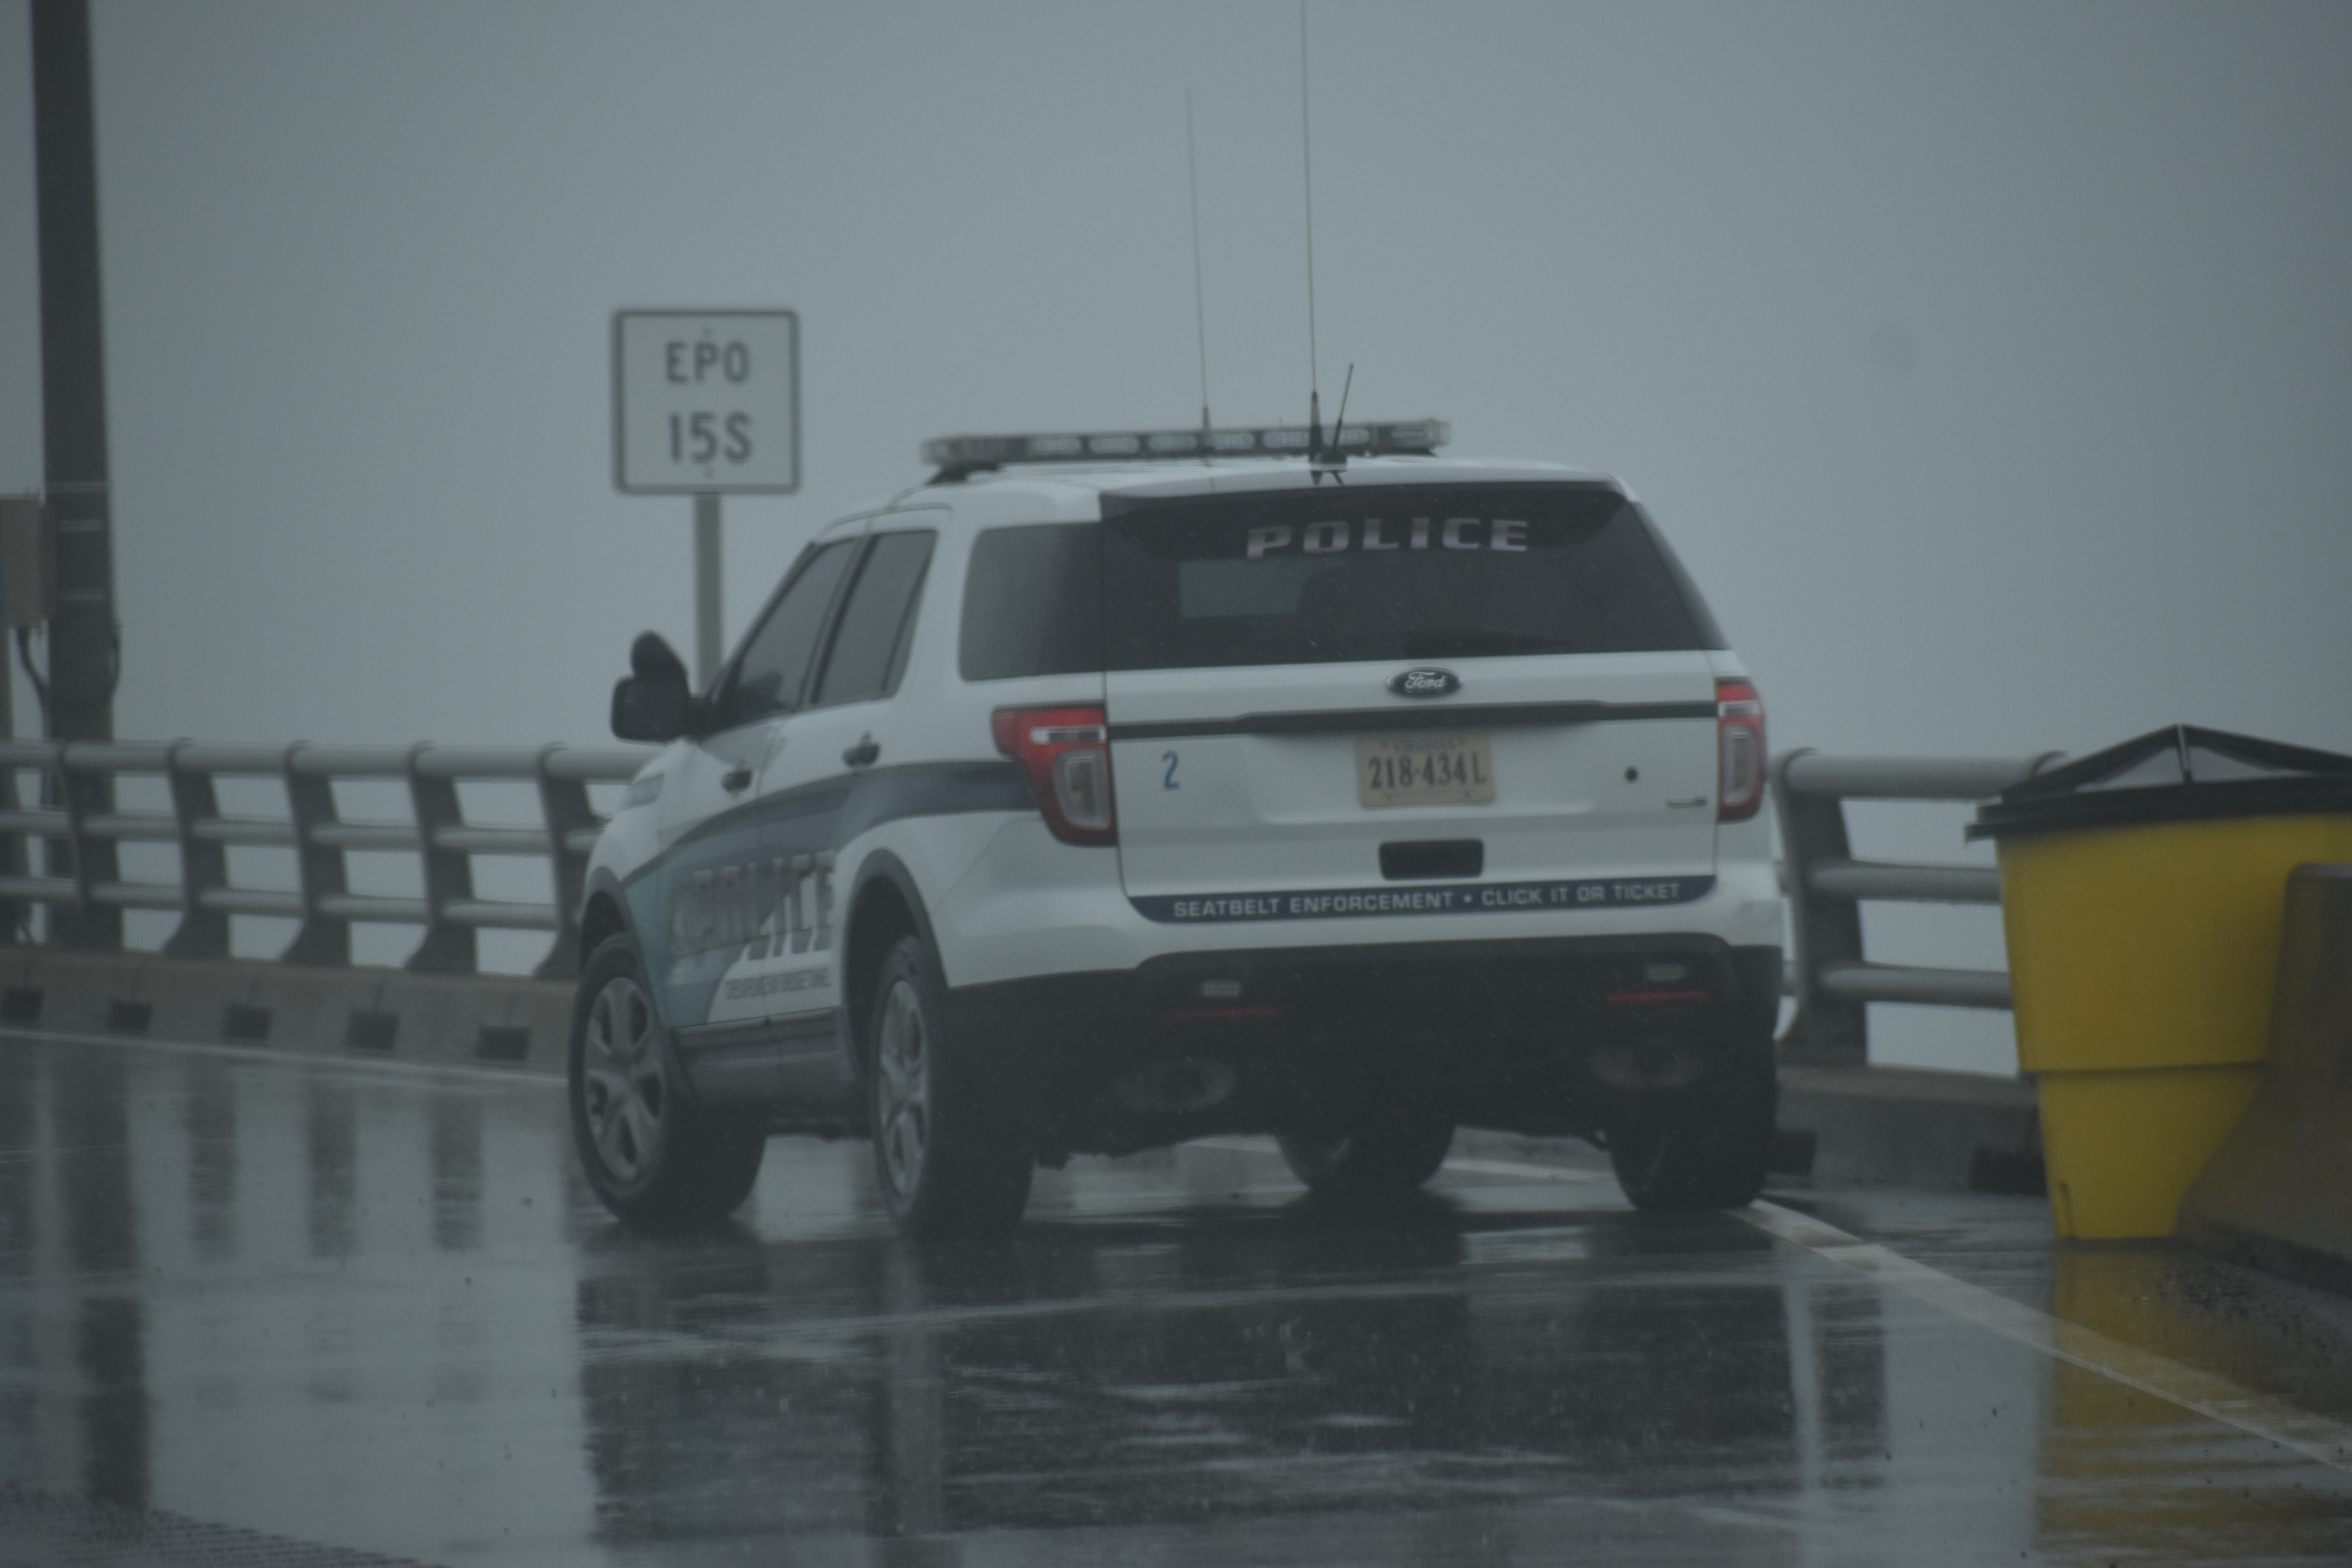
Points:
[[769, 923]]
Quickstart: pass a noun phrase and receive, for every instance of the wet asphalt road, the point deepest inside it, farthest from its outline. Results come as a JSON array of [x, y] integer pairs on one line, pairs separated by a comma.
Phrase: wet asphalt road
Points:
[[301, 1311]]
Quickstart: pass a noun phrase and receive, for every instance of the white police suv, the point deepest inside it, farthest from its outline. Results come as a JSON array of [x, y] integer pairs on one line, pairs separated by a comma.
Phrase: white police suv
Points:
[[1114, 790]]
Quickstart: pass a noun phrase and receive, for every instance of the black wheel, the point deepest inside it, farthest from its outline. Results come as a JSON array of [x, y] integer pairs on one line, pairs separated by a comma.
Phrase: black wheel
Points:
[[654, 1157], [1386, 1156], [949, 1151], [1704, 1147]]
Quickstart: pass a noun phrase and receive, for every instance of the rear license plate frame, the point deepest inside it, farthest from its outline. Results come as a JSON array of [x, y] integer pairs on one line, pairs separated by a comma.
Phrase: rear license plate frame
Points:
[[1437, 767]]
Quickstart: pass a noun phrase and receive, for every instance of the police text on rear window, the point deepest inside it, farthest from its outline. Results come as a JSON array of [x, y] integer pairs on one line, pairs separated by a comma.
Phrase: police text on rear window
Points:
[[1368, 573]]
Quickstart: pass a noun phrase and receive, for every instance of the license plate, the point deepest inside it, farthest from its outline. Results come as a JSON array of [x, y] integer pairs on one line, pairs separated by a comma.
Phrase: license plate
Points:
[[1424, 770]]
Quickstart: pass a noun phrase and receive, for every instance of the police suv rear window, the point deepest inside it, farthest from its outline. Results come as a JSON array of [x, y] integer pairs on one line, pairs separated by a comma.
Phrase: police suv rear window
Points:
[[1033, 603], [1369, 572]]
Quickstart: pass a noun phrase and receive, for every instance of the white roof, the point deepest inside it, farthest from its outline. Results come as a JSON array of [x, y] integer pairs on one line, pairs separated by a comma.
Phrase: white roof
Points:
[[1073, 492]]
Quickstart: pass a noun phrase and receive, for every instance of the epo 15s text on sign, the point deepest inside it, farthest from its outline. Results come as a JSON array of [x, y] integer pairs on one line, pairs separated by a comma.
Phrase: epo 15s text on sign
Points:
[[706, 401]]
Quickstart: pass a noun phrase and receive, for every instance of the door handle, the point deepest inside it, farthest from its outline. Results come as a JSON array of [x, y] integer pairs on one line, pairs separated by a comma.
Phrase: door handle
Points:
[[737, 781], [862, 755]]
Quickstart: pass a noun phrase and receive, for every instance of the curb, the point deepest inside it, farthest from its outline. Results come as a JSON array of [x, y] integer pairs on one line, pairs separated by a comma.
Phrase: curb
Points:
[[1913, 1127], [360, 1011]]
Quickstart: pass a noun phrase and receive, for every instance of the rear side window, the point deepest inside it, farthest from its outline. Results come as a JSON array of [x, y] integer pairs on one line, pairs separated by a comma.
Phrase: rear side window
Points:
[[1388, 575], [1033, 603], [869, 650]]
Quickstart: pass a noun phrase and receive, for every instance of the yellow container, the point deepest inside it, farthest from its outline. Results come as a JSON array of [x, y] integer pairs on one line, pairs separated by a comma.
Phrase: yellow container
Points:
[[2123, 1147], [2142, 959]]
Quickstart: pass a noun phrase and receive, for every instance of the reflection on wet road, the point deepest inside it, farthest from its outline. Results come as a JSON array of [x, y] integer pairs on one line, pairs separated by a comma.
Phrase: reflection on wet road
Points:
[[371, 1309]]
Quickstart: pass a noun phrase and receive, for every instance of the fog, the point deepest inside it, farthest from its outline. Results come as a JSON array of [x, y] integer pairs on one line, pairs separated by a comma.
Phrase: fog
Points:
[[1990, 365]]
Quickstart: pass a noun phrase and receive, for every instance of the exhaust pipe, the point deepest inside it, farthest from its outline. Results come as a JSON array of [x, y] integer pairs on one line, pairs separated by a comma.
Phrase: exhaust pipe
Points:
[[1176, 1086]]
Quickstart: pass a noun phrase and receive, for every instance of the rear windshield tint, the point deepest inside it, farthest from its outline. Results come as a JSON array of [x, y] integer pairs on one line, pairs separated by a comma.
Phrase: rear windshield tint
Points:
[[1388, 575], [1372, 574]]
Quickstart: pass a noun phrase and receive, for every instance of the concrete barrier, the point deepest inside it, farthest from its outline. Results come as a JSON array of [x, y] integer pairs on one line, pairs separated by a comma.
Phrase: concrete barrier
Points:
[[1912, 1127], [2278, 1194], [359, 1011]]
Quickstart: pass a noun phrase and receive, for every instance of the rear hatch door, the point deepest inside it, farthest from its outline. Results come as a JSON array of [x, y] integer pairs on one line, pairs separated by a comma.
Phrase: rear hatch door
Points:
[[1397, 699]]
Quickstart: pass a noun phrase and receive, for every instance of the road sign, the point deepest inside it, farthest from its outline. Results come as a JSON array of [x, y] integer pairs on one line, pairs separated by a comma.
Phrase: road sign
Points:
[[706, 401]]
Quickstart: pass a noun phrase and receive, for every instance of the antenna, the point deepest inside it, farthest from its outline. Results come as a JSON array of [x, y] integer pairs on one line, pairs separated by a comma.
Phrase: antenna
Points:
[[1200, 300], [1331, 460], [1306, 162]]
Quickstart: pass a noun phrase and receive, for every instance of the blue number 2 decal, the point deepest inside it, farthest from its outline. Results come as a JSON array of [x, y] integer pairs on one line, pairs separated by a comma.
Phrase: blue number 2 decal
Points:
[[1168, 780]]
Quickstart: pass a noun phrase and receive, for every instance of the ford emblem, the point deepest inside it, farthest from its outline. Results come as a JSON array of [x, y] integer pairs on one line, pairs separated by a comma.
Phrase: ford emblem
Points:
[[1425, 683]]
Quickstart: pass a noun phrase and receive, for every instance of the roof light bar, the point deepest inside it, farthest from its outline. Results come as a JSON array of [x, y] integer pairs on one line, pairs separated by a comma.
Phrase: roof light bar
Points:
[[965, 454]]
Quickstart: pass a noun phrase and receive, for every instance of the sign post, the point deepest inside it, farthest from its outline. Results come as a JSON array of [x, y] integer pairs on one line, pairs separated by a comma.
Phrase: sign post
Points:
[[706, 404]]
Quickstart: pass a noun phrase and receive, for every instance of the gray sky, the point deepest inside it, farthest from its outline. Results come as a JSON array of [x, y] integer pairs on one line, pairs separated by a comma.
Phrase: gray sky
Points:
[[1990, 364]]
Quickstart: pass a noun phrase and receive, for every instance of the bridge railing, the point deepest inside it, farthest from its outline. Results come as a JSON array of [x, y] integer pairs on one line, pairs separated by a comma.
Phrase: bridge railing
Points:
[[435, 830], [1829, 974]]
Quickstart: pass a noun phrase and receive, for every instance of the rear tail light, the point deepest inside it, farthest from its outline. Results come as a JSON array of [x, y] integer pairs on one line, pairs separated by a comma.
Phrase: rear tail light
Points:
[[1066, 754], [1739, 739]]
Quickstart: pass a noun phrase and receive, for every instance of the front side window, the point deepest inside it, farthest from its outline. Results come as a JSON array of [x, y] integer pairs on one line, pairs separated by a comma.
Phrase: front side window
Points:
[[775, 659]]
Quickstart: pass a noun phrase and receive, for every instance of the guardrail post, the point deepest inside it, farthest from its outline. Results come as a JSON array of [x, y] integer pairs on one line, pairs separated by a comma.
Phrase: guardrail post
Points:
[[1826, 1029], [203, 865], [14, 915], [563, 802], [323, 939], [84, 793], [448, 948]]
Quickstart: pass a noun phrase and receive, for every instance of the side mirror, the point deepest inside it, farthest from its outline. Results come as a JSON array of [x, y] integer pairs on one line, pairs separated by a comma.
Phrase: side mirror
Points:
[[654, 702], [650, 708], [652, 656]]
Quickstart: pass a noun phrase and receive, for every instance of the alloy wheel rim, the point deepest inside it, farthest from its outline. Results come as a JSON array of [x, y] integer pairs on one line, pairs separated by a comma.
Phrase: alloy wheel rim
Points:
[[623, 1091], [903, 1056]]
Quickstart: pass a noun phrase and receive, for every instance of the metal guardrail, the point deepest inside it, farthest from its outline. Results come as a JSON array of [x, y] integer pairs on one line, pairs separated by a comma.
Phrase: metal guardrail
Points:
[[1832, 980], [437, 831], [1829, 976]]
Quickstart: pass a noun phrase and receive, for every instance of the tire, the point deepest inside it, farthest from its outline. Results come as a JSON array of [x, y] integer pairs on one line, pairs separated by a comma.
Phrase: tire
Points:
[[1383, 1158], [1705, 1147], [949, 1153], [656, 1159]]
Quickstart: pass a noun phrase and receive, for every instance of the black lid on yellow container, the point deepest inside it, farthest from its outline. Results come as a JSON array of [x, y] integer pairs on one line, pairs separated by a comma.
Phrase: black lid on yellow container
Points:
[[2178, 774]]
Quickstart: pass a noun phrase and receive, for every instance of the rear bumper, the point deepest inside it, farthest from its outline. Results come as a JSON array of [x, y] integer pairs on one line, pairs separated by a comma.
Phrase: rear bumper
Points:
[[1029, 904], [1539, 1035]]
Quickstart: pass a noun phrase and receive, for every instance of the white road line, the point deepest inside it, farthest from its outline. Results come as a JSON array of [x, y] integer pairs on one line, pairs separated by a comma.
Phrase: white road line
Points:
[[2314, 1436]]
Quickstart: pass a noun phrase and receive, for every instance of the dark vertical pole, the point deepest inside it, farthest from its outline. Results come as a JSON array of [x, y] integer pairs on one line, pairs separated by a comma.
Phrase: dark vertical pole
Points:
[[709, 645], [85, 642], [12, 845]]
